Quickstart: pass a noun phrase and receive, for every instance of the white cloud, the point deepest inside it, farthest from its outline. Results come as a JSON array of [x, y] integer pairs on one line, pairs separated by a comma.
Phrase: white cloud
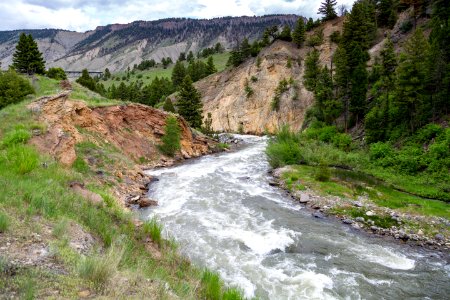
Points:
[[82, 15]]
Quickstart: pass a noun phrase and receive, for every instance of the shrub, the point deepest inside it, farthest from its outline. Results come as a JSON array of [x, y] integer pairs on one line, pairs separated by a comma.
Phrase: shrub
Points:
[[56, 73], [254, 79], [380, 150], [283, 153], [335, 37], [232, 294], [4, 222], [342, 141], [171, 139], [248, 90], [18, 136], [23, 159], [13, 88], [153, 229], [427, 133], [406, 26]]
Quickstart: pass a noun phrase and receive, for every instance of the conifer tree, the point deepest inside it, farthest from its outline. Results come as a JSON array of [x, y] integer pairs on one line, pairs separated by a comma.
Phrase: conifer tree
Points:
[[178, 74], [210, 67], [312, 70], [285, 34], [189, 103], [168, 105], [310, 24], [387, 12], [327, 9], [298, 35], [27, 58], [411, 75], [171, 139]]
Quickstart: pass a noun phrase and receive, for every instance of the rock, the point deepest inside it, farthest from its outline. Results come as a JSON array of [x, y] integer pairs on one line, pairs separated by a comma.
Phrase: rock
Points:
[[133, 199], [439, 237], [374, 228], [370, 213], [360, 219], [357, 204], [420, 232], [84, 294], [145, 202], [304, 198], [318, 215], [347, 221], [273, 183]]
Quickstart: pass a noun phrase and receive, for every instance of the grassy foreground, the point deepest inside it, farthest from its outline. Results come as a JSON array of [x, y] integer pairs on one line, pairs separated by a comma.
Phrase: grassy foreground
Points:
[[41, 219]]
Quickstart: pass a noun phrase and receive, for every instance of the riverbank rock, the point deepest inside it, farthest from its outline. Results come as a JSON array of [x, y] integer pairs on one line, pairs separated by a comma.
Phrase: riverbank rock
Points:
[[145, 202]]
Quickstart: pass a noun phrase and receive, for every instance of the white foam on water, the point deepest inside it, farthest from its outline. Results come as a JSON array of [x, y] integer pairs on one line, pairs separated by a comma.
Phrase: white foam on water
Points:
[[211, 206]]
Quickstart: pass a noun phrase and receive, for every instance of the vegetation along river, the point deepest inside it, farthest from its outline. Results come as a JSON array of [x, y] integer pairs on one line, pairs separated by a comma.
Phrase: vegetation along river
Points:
[[226, 216]]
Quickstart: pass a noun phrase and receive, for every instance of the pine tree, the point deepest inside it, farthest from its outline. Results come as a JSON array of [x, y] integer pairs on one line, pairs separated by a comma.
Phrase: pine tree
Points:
[[86, 80], [190, 56], [210, 67], [411, 75], [189, 103], [107, 74], [312, 70], [310, 24], [298, 35], [171, 139], [27, 58], [285, 34], [178, 74], [387, 12], [168, 106], [327, 9]]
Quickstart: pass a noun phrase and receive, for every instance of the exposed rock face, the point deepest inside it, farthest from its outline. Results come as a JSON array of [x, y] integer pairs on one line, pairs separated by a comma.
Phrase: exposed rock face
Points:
[[224, 94], [119, 46], [225, 97], [134, 129]]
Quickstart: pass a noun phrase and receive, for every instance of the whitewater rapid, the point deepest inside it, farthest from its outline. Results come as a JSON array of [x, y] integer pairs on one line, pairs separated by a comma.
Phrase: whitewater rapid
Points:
[[225, 216]]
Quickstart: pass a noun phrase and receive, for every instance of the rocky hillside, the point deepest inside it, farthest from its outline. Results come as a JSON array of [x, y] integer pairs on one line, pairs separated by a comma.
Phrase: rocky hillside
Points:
[[118, 46], [242, 99]]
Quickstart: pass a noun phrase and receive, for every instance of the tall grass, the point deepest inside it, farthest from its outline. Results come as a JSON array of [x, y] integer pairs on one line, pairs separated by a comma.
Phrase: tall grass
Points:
[[153, 229], [100, 269], [211, 285], [4, 222], [22, 159]]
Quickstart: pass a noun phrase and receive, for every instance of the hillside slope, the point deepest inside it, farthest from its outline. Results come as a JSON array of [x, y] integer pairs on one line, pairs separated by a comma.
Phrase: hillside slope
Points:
[[225, 95], [118, 46]]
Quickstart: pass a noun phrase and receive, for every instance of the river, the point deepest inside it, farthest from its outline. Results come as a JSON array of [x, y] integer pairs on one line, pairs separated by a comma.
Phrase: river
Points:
[[224, 214]]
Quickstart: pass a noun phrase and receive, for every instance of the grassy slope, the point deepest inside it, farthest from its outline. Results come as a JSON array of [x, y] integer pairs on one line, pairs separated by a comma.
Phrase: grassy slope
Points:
[[220, 60], [35, 196]]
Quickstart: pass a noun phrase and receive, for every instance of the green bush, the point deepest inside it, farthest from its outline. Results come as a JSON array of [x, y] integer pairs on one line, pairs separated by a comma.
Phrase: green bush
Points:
[[4, 222], [171, 139], [406, 26], [335, 37], [284, 153], [13, 88], [380, 151], [56, 73], [427, 133], [18, 136], [342, 141], [322, 174], [22, 159]]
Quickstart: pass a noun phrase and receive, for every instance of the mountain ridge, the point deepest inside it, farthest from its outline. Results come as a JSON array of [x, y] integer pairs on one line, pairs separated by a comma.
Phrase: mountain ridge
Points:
[[117, 46]]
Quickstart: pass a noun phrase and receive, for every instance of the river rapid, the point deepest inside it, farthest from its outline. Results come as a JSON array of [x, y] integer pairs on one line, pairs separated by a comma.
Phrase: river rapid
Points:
[[225, 216]]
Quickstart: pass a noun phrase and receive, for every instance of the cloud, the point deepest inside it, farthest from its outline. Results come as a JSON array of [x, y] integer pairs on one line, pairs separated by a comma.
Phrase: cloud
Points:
[[82, 15]]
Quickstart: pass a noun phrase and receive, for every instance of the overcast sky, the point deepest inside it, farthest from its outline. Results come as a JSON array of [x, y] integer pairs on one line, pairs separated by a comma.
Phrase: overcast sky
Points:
[[83, 15]]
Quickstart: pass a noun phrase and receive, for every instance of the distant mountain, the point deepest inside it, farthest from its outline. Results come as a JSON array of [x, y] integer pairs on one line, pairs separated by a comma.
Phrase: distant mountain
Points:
[[118, 46]]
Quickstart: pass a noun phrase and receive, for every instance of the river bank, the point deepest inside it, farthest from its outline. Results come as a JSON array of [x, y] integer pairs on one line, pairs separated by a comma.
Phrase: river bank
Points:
[[363, 214], [224, 214]]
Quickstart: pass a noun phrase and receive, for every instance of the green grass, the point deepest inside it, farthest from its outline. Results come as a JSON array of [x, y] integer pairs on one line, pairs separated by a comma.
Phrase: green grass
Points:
[[212, 285], [4, 222], [153, 229], [356, 184], [147, 76], [99, 269]]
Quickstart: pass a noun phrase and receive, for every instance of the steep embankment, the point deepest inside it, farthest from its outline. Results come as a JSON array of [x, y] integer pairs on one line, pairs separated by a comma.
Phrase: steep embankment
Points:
[[241, 98]]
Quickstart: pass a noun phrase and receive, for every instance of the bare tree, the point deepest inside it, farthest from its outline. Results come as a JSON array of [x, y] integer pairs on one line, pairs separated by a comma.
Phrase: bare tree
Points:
[[342, 10]]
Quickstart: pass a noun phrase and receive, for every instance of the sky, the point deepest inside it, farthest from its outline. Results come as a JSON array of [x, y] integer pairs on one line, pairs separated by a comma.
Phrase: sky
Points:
[[83, 15]]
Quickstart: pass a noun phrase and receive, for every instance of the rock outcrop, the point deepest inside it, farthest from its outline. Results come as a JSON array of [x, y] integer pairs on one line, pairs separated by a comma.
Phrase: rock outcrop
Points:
[[240, 99], [135, 129]]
